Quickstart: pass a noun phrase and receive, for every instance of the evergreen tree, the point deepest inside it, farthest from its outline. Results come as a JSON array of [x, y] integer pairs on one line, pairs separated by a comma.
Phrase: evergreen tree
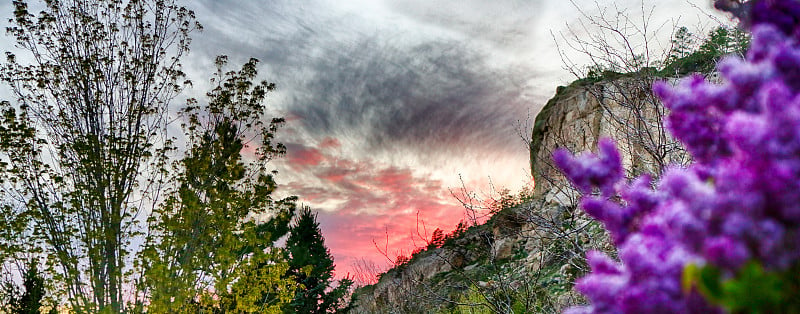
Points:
[[30, 300], [311, 266]]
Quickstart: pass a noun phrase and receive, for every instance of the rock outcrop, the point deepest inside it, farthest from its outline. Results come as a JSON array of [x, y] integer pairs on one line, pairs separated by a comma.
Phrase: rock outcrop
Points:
[[537, 246], [623, 109]]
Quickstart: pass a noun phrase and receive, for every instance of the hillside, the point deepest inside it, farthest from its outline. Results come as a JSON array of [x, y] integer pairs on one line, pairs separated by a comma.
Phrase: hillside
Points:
[[526, 257]]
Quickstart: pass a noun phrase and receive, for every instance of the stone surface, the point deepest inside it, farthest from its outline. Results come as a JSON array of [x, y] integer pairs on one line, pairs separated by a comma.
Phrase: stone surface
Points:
[[577, 116]]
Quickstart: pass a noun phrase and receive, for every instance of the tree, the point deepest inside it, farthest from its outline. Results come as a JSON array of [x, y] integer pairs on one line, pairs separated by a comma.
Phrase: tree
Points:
[[93, 180], [311, 266], [437, 239], [616, 100], [209, 239], [703, 58], [30, 300], [682, 44], [719, 235], [82, 150], [625, 58]]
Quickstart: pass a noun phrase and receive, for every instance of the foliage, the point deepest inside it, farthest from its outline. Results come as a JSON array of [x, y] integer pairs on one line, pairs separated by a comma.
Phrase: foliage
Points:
[[477, 300], [721, 41], [458, 232], [473, 302], [86, 139], [31, 299], [729, 222], [752, 289], [311, 267], [209, 238], [437, 239], [684, 58], [473, 278], [496, 206], [92, 179]]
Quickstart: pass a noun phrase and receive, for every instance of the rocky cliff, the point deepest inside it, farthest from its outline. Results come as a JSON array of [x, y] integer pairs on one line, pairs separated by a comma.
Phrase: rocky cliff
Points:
[[526, 257], [622, 108]]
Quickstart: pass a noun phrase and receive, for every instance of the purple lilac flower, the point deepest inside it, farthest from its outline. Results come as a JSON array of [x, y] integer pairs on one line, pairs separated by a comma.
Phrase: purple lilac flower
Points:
[[739, 201], [602, 171]]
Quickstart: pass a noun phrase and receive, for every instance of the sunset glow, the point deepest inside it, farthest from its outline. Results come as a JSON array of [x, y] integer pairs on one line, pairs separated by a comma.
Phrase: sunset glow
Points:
[[392, 107]]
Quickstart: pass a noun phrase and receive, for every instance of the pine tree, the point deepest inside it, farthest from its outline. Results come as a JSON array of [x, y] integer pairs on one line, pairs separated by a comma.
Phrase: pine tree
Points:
[[30, 300], [311, 266]]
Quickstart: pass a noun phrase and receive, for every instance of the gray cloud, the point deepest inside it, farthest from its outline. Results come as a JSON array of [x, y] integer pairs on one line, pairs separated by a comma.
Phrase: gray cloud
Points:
[[433, 94], [504, 23], [419, 78], [388, 87]]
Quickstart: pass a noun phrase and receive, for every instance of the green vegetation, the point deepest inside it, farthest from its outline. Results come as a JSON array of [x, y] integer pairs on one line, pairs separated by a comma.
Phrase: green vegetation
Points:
[[752, 290], [201, 238], [120, 215], [476, 279], [684, 60], [685, 57], [114, 211], [31, 299], [482, 282], [311, 267]]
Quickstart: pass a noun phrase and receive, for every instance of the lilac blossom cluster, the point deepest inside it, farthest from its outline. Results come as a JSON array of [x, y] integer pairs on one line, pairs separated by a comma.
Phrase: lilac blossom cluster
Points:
[[738, 202]]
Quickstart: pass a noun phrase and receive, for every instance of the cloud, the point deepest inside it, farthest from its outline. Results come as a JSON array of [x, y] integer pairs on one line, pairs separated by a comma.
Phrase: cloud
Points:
[[434, 97], [503, 24], [300, 156], [356, 186], [386, 106], [361, 201], [409, 86], [387, 100], [354, 237]]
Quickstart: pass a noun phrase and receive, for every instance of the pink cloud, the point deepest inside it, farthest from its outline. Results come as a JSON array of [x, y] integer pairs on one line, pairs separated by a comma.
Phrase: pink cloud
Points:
[[351, 237], [302, 156], [363, 202], [330, 143]]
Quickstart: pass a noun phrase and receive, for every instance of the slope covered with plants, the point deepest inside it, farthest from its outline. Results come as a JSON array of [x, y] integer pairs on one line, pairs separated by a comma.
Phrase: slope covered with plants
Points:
[[527, 257]]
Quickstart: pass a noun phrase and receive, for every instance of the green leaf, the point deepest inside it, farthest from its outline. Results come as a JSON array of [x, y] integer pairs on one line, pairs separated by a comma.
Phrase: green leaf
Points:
[[709, 283], [753, 290]]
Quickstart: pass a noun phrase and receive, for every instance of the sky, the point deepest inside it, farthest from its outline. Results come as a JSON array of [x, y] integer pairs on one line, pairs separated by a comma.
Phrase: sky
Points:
[[392, 106]]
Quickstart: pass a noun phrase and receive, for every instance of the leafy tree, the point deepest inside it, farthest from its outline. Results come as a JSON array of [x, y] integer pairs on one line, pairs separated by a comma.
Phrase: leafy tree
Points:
[[82, 149], [209, 241], [88, 167], [311, 266]]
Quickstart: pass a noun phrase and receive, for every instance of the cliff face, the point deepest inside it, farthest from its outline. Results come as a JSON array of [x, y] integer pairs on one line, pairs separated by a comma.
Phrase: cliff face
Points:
[[405, 289], [623, 109], [537, 246], [572, 118]]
